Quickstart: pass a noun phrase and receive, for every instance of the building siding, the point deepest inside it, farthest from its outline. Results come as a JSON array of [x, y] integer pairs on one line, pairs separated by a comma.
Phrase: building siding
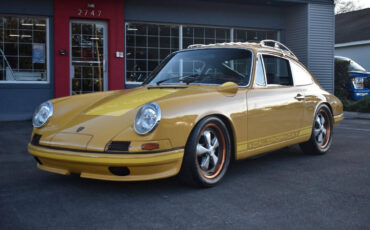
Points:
[[232, 14], [24, 7], [296, 23], [321, 44], [359, 54]]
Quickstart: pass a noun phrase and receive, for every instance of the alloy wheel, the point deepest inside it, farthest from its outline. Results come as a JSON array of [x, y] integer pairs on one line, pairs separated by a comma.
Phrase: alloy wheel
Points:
[[322, 128], [210, 151]]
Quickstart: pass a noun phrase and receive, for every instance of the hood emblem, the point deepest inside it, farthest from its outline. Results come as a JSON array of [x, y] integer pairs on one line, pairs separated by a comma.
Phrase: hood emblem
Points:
[[80, 129]]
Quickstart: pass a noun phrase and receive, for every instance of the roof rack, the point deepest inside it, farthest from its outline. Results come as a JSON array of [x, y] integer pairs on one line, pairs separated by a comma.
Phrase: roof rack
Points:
[[279, 46], [194, 46], [264, 43], [220, 44]]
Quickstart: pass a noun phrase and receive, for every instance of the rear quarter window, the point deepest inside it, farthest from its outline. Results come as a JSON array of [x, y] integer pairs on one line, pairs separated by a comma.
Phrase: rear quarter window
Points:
[[300, 75], [277, 71]]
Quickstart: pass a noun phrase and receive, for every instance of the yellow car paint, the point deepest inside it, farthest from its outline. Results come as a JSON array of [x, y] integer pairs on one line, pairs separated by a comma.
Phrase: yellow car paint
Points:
[[124, 103], [258, 119], [95, 165]]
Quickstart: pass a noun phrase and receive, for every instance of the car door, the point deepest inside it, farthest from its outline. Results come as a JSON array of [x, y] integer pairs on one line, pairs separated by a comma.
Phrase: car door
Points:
[[304, 83], [275, 105]]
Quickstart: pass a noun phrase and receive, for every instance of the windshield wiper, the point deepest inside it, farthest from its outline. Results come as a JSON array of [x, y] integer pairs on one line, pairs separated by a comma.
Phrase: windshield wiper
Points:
[[161, 81], [187, 79]]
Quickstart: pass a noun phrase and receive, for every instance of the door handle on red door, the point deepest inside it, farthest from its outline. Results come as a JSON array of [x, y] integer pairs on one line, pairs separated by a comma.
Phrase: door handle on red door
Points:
[[299, 97]]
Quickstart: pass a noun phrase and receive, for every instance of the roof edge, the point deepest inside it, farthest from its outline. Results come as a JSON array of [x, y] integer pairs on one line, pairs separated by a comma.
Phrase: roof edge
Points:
[[356, 43]]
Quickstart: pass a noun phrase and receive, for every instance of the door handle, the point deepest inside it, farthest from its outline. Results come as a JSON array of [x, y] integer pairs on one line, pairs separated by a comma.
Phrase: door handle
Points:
[[299, 97]]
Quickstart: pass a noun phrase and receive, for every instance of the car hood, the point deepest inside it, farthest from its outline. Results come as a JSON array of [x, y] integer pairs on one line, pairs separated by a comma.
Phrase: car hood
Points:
[[123, 102], [359, 73], [90, 121]]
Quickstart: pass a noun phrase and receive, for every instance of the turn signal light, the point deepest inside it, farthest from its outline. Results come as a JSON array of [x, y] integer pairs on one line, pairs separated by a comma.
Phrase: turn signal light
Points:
[[150, 146]]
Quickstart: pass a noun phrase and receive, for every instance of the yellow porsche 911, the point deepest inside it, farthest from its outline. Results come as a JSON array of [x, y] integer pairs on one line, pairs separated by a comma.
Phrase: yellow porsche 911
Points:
[[198, 110]]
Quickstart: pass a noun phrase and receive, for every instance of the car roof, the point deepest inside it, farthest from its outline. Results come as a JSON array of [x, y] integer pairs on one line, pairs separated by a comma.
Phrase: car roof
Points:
[[342, 58]]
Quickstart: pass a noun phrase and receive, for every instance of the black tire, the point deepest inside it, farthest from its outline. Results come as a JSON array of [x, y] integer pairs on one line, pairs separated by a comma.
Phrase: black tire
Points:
[[315, 146], [194, 170]]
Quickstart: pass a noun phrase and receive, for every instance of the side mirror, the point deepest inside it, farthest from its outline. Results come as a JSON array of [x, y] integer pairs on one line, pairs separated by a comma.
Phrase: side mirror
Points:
[[228, 88]]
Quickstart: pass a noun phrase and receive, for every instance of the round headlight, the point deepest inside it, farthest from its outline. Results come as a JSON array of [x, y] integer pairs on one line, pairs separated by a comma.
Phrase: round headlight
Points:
[[147, 118], [42, 114]]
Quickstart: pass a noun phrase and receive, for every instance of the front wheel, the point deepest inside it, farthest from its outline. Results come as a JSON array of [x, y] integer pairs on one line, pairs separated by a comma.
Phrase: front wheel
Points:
[[322, 132], [207, 153]]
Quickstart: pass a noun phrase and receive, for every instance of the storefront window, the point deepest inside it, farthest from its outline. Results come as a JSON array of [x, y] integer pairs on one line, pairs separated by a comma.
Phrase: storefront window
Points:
[[242, 35], [23, 49], [147, 44], [204, 35]]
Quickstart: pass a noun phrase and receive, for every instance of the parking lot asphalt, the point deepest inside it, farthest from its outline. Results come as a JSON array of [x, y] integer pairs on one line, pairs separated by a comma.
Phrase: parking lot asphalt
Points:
[[281, 190]]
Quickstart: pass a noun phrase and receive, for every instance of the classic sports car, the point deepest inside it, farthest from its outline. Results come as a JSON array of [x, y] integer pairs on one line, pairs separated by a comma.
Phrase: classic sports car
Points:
[[198, 110]]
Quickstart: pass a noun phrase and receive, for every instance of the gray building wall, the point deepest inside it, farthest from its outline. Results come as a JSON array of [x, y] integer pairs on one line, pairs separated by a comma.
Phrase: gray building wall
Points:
[[236, 14], [296, 27], [310, 35], [19, 100], [320, 46], [360, 54]]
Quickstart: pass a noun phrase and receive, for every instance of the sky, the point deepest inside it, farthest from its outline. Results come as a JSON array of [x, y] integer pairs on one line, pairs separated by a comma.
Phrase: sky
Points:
[[358, 4], [361, 3]]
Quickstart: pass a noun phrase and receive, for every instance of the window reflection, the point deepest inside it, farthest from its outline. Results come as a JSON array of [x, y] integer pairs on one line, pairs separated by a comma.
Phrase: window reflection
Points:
[[245, 35], [87, 57], [203, 35], [146, 46], [23, 48]]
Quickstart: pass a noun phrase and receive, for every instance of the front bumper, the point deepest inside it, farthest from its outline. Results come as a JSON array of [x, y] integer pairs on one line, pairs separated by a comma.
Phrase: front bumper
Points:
[[96, 165], [338, 118], [358, 94]]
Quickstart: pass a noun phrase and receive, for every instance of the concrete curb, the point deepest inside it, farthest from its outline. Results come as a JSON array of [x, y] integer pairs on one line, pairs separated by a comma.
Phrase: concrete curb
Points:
[[356, 115]]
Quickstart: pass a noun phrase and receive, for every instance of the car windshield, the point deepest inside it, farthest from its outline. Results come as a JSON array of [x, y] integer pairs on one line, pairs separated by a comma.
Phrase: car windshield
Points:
[[205, 66]]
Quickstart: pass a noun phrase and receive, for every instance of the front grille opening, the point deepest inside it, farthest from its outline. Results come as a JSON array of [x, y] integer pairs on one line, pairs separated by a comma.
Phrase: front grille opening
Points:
[[118, 146], [36, 139], [120, 171]]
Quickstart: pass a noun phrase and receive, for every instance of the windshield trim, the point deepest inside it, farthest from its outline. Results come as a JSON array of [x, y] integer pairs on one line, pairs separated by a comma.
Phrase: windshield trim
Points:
[[165, 61]]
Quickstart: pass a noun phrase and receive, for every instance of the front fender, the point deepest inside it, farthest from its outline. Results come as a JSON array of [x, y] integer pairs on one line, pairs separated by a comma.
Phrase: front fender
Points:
[[181, 114]]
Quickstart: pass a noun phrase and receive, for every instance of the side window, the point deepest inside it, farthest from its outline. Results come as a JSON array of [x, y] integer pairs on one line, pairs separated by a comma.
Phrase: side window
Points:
[[300, 75], [260, 74], [277, 70]]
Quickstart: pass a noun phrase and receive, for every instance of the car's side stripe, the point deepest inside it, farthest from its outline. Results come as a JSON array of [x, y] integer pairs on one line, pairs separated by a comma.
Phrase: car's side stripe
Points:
[[273, 139]]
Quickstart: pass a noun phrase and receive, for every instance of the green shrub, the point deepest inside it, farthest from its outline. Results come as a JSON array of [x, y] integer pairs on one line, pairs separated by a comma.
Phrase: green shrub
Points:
[[362, 105], [342, 89]]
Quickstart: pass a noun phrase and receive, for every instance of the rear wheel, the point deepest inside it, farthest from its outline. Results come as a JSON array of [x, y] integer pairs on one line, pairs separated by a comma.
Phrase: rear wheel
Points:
[[322, 132], [207, 153]]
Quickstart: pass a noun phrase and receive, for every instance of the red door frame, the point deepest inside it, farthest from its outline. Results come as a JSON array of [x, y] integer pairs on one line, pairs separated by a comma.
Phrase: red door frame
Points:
[[110, 11]]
